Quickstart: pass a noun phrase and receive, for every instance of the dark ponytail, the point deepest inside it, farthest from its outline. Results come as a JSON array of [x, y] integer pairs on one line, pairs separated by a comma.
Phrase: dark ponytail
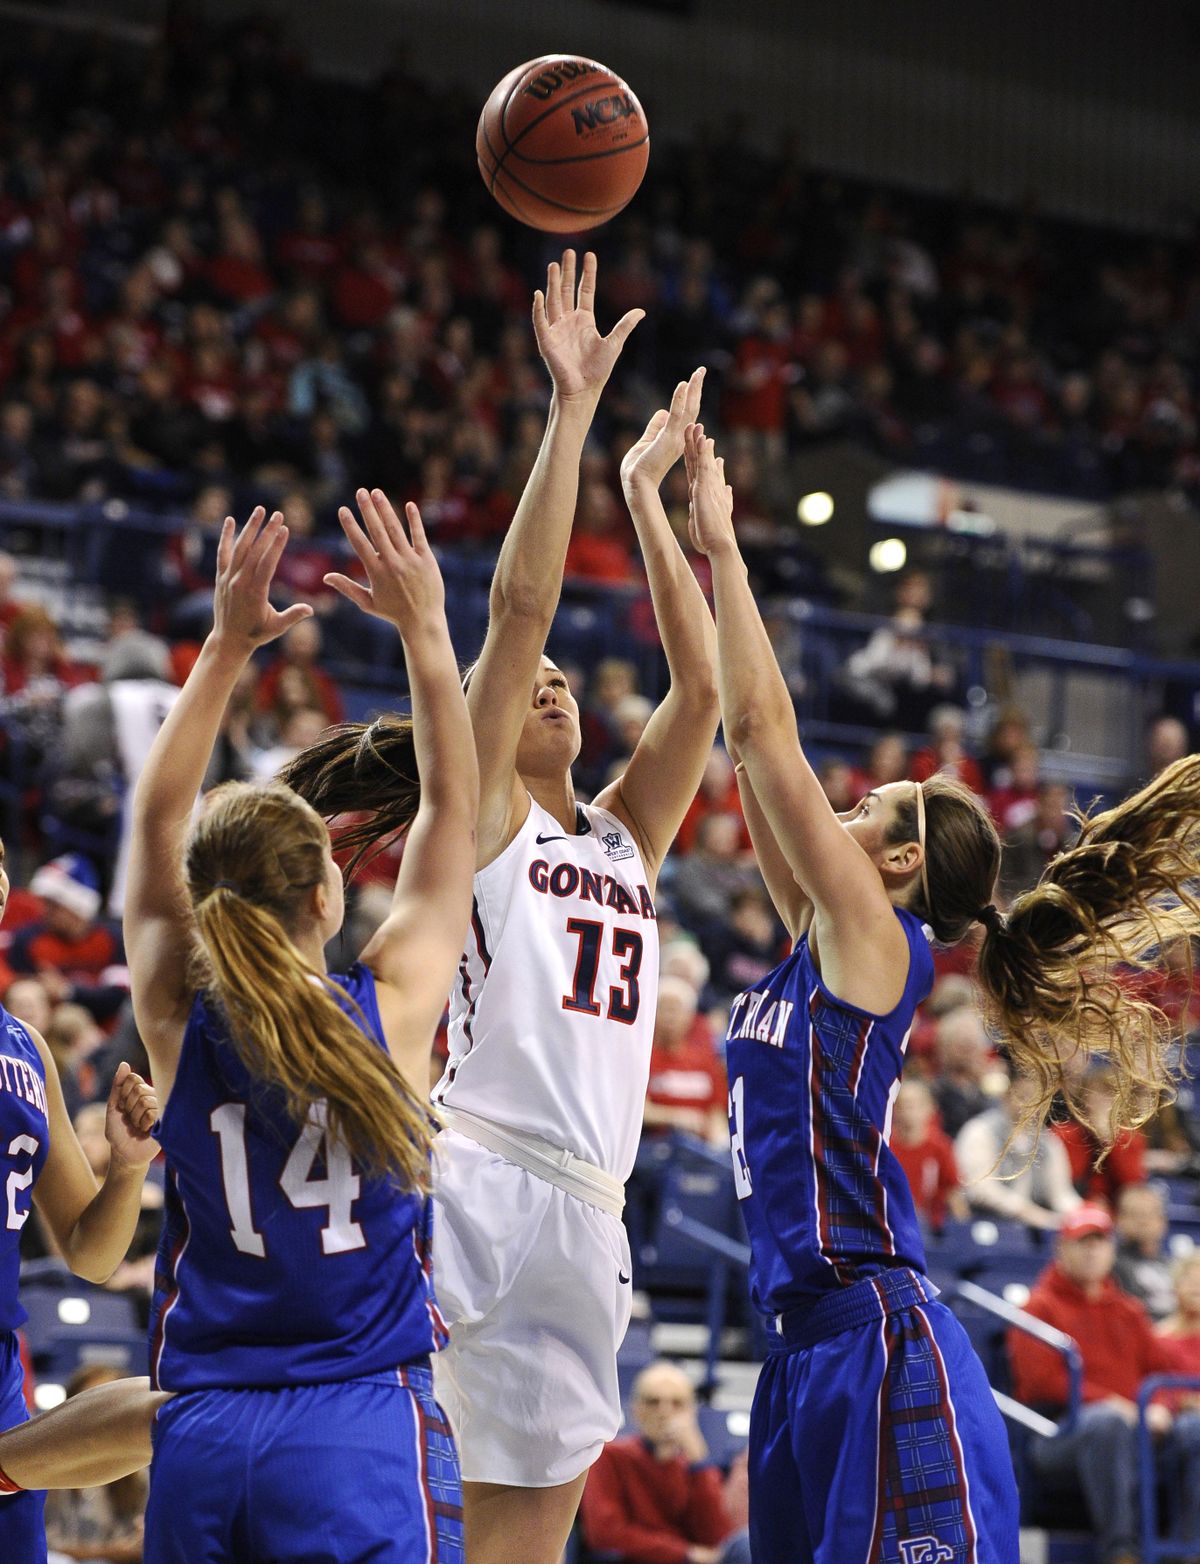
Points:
[[364, 769]]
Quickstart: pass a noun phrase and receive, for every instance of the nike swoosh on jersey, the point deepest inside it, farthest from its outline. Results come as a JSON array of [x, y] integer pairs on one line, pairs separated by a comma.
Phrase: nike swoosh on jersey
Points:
[[621, 1277], [542, 840]]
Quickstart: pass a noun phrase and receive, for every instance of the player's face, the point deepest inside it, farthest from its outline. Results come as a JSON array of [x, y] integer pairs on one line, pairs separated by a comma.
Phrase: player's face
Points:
[[550, 738], [871, 819]]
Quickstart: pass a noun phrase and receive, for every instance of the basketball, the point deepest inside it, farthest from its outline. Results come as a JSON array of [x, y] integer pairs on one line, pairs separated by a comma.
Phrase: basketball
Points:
[[562, 143]]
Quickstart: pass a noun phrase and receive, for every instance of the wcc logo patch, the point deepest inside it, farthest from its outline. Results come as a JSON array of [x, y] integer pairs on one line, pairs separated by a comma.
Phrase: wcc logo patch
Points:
[[616, 846], [925, 1550]]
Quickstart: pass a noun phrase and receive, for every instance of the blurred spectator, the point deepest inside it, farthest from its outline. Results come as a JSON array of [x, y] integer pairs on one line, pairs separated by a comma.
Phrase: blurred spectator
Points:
[[837, 783], [1076, 1294], [686, 1089], [103, 1525], [887, 761], [946, 750], [1182, 1327], [1143, 1269], [599, 549], [1019, 1177], [1124, 1159], [926, 1153], [897, 676], [305, 682], [37, 675], [747, 946], [612, 679], [1008, 736], [300, 728], [1166, 742], [717, 795], [28, 1000], [1014, 801], [713, 873], [1030, 847], [654, 1497], [963, 1053], [70, 943]]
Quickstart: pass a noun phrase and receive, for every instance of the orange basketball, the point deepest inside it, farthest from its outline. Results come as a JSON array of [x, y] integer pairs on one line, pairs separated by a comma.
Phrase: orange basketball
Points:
[[562, 143]]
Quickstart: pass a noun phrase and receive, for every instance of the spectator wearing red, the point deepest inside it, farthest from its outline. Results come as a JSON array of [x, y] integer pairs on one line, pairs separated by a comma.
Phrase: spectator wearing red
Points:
[[926, 1153], [946, 750], [1182, 1327], [654, 1497], [1124, 1159], [1015, 802], [304, 564], [598, 551], [687, 1088], [308, 250], [756, 389], [1077, 1295], [34, 653], [887, 761], [238, 272], [69, 938], [300, 651], [717, 795]]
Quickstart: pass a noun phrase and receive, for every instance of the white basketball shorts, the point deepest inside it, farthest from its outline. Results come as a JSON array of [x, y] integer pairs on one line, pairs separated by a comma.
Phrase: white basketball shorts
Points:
[[535, 1287]]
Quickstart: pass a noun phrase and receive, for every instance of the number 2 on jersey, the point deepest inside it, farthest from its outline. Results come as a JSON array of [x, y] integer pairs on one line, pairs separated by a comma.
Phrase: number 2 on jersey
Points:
[[337, 1191], [741, 1168], [623, 1002]]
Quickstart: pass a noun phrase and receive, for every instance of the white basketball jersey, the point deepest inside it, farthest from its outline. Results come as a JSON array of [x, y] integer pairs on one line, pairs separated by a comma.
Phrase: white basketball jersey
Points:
[[552, 1016]]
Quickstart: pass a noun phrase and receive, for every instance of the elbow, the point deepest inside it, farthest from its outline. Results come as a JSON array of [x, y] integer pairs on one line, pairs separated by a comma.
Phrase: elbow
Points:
[[91, 1268], [755, 726], [522, 599]]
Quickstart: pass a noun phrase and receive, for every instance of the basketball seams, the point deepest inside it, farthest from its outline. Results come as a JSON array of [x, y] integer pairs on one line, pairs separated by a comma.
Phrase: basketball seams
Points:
[[582, 157], [562, 206]]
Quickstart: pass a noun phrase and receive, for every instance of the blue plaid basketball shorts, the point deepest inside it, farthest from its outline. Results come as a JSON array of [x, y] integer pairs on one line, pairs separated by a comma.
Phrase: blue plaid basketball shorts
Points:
[[880, 1444], [362, 1471]]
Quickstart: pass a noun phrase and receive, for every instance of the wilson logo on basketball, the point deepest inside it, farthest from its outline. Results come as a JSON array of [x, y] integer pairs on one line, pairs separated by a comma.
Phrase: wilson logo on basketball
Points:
[[548, 83], [605, 111]]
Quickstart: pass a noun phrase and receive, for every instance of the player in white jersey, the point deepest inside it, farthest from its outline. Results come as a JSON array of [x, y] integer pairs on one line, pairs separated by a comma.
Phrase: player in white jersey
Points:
[[552, 1018]]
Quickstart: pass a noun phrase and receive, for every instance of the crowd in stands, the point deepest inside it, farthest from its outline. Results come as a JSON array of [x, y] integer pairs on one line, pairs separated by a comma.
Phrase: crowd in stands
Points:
[[190, 324]]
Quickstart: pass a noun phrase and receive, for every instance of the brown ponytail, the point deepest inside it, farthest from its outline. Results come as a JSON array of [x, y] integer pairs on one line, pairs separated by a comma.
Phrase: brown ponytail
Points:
[[251, 860], [361, 768], [1060, 974]]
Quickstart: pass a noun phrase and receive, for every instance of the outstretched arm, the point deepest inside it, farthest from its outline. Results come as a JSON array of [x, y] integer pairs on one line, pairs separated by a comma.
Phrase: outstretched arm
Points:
[[830, 867], [792, 905], [528, 577], [93, 1226], [653, 794], [415, 950], [91, 1439], [158, 922]]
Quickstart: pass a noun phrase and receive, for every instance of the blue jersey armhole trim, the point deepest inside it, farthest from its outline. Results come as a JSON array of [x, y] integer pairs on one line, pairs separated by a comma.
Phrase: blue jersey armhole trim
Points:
[[359, 982], [914, 991]]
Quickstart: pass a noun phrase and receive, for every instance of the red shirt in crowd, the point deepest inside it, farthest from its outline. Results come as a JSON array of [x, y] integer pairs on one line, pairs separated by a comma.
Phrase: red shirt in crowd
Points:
[[689, 1075], [1114, 1334], [931, 1171], [322, 685], [649, 1511], [599, 559], [699, 810], [1125, 1163]]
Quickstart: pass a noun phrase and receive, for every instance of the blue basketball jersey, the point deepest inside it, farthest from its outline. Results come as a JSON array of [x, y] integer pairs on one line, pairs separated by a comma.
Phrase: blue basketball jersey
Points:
[[24, 1142], [280, 1263], [812, 1082]]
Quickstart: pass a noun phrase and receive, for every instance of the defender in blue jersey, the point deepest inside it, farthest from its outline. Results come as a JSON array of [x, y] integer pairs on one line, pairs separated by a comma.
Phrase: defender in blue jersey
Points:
[[874, 1438], [42, 1163], [294, 1314]]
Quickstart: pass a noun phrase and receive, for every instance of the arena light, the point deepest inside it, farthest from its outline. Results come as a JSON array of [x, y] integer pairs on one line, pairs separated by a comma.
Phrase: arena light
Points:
[[887, 555], [74, 1311], [47, 1395], [815, 509]]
